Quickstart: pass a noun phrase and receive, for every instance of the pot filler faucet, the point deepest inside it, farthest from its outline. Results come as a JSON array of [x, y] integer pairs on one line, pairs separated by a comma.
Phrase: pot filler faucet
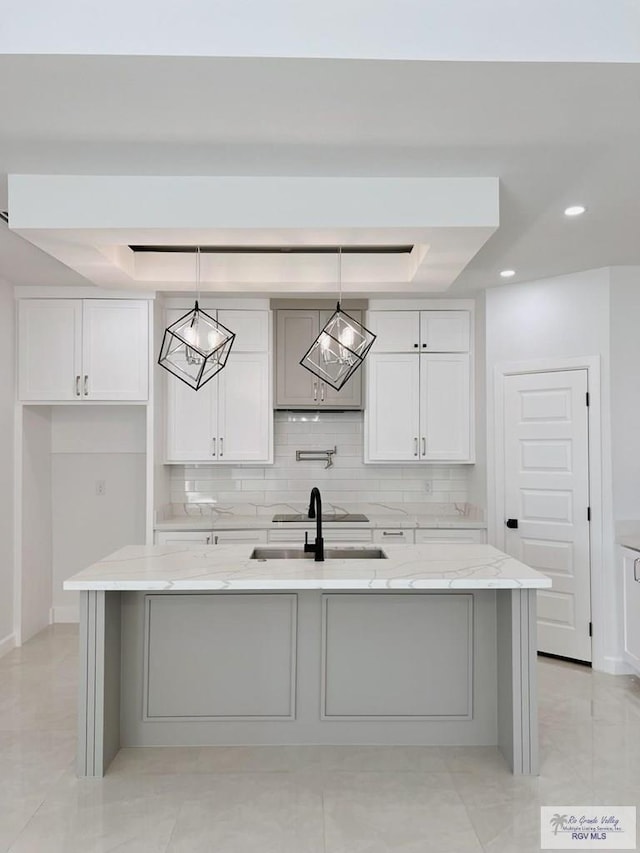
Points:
[[315, 511]]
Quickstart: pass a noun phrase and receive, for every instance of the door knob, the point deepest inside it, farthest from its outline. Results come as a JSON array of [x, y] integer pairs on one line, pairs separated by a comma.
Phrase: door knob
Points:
[[512, 523]]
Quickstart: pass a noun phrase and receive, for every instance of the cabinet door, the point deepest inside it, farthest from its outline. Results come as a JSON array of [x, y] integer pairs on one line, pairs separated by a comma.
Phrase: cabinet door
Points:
[[445, 411], [191, 428], [397, 331], [239, 537], [350, 395], [180, 537], [631, 567], [115, 349], [444, 331], [49, 349], [244, 409], [295, 332], [392, 418], [251, 329]]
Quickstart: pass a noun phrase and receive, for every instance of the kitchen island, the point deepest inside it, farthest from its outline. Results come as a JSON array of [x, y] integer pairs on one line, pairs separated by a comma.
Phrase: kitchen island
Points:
[[203, 645]]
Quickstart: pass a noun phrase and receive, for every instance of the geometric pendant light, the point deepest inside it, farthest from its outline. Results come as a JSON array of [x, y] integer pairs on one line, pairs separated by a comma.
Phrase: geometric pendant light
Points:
[[340, 348], [196, 347]]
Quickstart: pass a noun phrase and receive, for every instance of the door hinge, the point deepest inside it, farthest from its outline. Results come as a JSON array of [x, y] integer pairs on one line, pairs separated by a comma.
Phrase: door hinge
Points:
[[591, 629], [587, 398], [588, 513]]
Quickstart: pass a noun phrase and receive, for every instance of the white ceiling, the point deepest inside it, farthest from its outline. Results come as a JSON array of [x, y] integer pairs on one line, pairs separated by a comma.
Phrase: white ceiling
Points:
[[555, 134]]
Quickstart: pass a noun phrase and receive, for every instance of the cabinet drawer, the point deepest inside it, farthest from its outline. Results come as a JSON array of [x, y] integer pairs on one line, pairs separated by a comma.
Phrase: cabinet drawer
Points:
[[297, 536], [195, 537], [447, 535], [394, 536], [239, 537]]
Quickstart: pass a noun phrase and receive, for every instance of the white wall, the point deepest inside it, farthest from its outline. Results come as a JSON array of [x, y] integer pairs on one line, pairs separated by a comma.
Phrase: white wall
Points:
[[563, 317], [36, 538], [625, 391], [7, 393], [91, 444]]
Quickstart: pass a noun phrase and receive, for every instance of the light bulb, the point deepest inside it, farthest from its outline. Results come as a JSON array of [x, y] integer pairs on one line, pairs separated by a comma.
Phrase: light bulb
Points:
[[347, 336]]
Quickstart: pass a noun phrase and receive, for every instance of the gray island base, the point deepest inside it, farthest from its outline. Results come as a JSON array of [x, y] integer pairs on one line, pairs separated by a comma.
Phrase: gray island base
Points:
[[199, 645]]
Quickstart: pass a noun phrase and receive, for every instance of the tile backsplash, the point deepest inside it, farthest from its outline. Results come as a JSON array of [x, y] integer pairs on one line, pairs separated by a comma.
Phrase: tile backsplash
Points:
[[347, 481]]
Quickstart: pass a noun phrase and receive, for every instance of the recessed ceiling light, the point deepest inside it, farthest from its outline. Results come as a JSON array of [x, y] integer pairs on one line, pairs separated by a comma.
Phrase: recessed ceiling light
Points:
[[507, 273], [575, 210]]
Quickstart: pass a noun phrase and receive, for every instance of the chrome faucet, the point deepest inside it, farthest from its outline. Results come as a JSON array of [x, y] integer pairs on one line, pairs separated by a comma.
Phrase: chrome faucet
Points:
[[315, 511]]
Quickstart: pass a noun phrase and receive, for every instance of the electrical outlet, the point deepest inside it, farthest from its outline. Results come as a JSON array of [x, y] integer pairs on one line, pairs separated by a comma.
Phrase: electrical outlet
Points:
[[428, 487], [101, 488]]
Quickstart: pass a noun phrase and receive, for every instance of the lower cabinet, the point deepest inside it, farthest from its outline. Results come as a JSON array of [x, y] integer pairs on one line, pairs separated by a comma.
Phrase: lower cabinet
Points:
[[179, 537], [211, 537], [393, 536], [460, 535], [631, 574]]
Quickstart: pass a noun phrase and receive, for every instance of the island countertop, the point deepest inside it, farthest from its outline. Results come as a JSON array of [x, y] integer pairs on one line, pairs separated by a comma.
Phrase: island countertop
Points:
[[229, 568]]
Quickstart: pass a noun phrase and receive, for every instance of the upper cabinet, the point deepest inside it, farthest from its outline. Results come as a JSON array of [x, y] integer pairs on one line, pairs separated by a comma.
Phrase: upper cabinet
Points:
[[230, 419], [419, 391], [297, 387], [83, 350], [420, 331]]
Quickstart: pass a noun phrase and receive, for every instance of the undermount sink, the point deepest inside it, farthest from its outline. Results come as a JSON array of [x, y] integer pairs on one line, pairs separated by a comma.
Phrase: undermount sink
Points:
[[329, 554]]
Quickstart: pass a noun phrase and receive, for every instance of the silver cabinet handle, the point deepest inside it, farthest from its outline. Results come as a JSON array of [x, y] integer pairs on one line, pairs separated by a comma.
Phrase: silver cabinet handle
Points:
[[635, 569], [315, 392], [393, 532], [86, 385], [213, 441], [415, 452], [424, 446], [215, 540], [322, 392], [221, 449], [208, 540], [78, 385]]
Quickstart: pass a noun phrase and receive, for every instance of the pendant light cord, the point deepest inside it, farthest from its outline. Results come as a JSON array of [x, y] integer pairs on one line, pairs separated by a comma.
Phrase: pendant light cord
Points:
[[339, 276]]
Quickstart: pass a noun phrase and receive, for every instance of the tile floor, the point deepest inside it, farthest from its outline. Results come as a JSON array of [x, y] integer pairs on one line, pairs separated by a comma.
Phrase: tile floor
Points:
[[300, 799]]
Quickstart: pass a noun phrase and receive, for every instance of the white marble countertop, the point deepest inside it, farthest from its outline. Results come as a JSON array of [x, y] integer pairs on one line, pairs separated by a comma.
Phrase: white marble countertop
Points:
[[228, 567], [628, 534]]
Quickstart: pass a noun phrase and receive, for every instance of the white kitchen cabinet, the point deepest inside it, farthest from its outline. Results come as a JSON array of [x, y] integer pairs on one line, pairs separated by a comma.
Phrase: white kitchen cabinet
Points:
[[211, 537], [227, 420], [230, 419], [297, 387], [420, 331], [430, 536], [631, 575], [83, 349], [184, 537], [418, 408], [393, 536]]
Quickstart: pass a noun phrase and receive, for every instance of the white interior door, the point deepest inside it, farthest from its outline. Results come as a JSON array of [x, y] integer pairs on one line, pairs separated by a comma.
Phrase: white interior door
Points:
[[546, 492]]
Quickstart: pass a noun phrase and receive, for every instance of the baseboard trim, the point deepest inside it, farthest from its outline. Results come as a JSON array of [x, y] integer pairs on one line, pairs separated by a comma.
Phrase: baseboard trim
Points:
[[68, 613], [7, 644], [614, 666]]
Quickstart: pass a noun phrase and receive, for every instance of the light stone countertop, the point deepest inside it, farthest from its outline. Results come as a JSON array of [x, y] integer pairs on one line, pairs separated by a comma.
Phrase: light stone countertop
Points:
[[228, 567], [628, 534]]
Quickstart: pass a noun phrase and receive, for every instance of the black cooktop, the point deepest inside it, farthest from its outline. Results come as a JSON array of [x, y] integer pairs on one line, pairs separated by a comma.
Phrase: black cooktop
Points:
[[302, 516]]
